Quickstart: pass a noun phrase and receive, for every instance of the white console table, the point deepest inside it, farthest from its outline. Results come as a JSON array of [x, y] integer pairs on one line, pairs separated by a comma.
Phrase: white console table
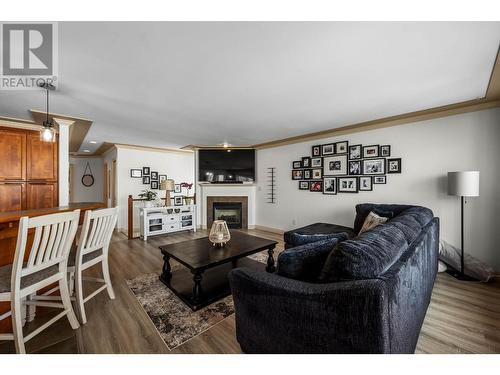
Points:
[[161, 220]]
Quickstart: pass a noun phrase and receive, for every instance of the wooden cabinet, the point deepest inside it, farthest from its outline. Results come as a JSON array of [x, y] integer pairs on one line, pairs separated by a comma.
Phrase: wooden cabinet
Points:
[[41, 195], [12, 155], [42, 159], [28, 170], [12, 196]]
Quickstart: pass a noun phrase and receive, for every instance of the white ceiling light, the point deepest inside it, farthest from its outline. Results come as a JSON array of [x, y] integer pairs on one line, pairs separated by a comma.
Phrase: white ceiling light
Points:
[[86, 150], [93, 142]]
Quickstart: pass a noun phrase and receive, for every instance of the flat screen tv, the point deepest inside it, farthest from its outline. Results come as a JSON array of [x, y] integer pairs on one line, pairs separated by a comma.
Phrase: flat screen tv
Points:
[[227, 165]]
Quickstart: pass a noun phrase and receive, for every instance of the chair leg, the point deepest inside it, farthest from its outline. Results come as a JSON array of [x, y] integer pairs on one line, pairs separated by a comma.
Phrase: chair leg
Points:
[[17, 325], [105, 273], [31, 309], [63, 287], [79, 296]]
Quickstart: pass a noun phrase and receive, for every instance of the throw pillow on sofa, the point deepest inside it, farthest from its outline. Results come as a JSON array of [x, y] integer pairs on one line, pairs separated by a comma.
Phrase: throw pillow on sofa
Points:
[[372, 220]]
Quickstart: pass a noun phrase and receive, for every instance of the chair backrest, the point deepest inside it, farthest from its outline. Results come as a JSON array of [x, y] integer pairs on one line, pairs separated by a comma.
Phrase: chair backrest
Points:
[[97, 230], [53, 237]]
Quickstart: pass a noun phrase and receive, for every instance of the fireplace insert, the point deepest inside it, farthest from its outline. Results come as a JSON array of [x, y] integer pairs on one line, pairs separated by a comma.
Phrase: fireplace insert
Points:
[[230, 212]]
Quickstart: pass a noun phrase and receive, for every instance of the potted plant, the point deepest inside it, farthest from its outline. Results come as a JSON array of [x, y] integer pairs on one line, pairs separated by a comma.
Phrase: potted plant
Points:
[[148, 196], [188, 187]]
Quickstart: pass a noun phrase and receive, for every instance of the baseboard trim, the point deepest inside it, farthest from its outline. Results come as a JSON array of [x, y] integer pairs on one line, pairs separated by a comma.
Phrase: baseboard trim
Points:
[[269, 229]]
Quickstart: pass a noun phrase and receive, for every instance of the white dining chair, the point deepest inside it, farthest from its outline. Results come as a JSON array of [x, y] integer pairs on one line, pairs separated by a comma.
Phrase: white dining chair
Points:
[[46, 264], [92, 248]]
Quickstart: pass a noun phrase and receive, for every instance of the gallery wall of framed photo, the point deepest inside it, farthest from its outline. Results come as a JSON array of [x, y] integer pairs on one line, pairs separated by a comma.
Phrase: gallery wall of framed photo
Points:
[[149, 177], [343, 168]]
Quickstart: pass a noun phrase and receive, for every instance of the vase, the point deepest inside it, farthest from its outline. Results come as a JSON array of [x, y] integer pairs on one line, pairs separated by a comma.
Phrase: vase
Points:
[[219, 233]]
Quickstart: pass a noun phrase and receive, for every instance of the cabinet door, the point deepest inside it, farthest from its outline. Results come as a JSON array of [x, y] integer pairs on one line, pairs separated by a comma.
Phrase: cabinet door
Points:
[[12, 155], [41, 195], [41, 159], [12, 196]]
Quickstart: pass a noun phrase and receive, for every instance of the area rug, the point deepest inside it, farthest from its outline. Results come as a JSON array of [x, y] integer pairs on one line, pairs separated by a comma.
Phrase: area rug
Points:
[[175, 322]]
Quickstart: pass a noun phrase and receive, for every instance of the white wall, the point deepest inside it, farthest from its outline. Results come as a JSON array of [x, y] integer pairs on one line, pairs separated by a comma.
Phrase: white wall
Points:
[[428, 150], [81, 193], [176, 165]]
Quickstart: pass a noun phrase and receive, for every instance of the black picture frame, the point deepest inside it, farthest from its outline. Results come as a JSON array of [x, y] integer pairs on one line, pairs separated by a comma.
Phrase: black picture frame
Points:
[[146, 180], [354, 168], [177, 188], [327, 188], [154, 176], [343, 190], [366, 172], [397, 162], [154, 185], [306, 162], [178, 200], [363, 187], [316, 186], [303, 185], [297, 174], [297, 164], [317, 173], [355, 152], [307, 175], [366, 150], [379, 180], [341, 147], [146, 171], [385, 151], [328, 149], [342, 164], [316, 150], [162, 177], [136, 173], [317, 162]]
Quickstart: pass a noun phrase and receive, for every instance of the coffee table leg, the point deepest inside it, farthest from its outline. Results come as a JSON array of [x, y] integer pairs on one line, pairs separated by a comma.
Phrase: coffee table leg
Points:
[[270, 260], [166, 273], [197, 287]]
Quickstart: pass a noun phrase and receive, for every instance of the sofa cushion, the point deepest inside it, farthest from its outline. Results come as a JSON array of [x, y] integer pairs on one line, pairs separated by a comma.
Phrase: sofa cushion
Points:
[[372, 220], [365, 257], [301, 239], [314, 229], [408, 225], [421, 214], [306, 261], [385, 210]]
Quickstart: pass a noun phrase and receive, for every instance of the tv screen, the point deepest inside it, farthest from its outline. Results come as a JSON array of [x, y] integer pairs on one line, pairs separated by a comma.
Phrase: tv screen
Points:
[[227, 165]]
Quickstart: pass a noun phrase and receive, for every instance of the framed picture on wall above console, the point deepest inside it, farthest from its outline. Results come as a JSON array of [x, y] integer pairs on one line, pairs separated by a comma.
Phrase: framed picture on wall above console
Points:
[[385, 151], [154, 176], [303, 185], [373, 166], [306, 162], [145, 171], [136, 173], [328, 149], [162, 177], [307, 175], [297, 164], [379, 179], [341, 147], [316, 162], [365, 183], [146, 180], [154, 185], [297, 174], [316, 186]]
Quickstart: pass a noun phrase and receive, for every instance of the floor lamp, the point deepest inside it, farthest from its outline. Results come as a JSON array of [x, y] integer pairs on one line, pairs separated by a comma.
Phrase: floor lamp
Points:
[[463, 184]]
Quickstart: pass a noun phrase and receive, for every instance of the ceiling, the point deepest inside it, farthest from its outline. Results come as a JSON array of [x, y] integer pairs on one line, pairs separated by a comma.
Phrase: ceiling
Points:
[[171, 84]]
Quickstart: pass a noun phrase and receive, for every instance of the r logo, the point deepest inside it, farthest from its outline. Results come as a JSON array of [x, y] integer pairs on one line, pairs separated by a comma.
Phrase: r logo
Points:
[[27, 49]]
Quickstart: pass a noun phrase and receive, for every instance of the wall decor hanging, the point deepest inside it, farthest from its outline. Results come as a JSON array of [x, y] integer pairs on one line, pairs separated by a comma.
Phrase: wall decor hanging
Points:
[[87, 178], [271, 185], [339, 167]]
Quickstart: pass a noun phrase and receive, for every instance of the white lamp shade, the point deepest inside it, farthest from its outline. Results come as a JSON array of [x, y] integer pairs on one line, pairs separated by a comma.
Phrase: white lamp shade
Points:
[[463, 184]]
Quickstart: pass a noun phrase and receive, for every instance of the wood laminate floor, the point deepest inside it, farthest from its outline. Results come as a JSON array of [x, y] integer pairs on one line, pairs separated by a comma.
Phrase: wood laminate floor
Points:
[[462, 317]]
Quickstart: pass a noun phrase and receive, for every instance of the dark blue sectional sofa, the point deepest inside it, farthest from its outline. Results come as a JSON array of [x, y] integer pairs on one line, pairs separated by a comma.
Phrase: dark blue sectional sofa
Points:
[[337, 292]]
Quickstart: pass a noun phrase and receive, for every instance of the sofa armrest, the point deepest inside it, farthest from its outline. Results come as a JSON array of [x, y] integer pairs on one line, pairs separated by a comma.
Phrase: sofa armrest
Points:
[[306, 261], [275, 314]]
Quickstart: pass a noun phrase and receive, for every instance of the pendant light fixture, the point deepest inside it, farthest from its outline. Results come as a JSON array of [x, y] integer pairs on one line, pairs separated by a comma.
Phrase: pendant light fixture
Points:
[[48, 133]]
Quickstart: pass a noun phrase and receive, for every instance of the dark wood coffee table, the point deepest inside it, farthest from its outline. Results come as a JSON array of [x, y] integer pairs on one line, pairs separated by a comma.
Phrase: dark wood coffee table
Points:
[[204, 280]]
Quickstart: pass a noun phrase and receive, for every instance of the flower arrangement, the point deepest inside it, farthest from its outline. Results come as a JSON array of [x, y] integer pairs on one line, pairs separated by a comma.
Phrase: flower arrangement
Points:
[[187, 185]]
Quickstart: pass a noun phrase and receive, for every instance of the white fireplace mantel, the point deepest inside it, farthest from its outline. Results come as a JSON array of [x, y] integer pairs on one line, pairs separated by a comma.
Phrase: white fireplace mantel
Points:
[[227, 190]]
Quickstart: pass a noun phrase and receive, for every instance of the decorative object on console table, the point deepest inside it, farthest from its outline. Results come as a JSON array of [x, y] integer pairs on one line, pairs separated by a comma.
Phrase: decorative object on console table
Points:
[[188, 186], [148, 196], [178, 200], [219, 233], [463, 184], [167, 185]]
